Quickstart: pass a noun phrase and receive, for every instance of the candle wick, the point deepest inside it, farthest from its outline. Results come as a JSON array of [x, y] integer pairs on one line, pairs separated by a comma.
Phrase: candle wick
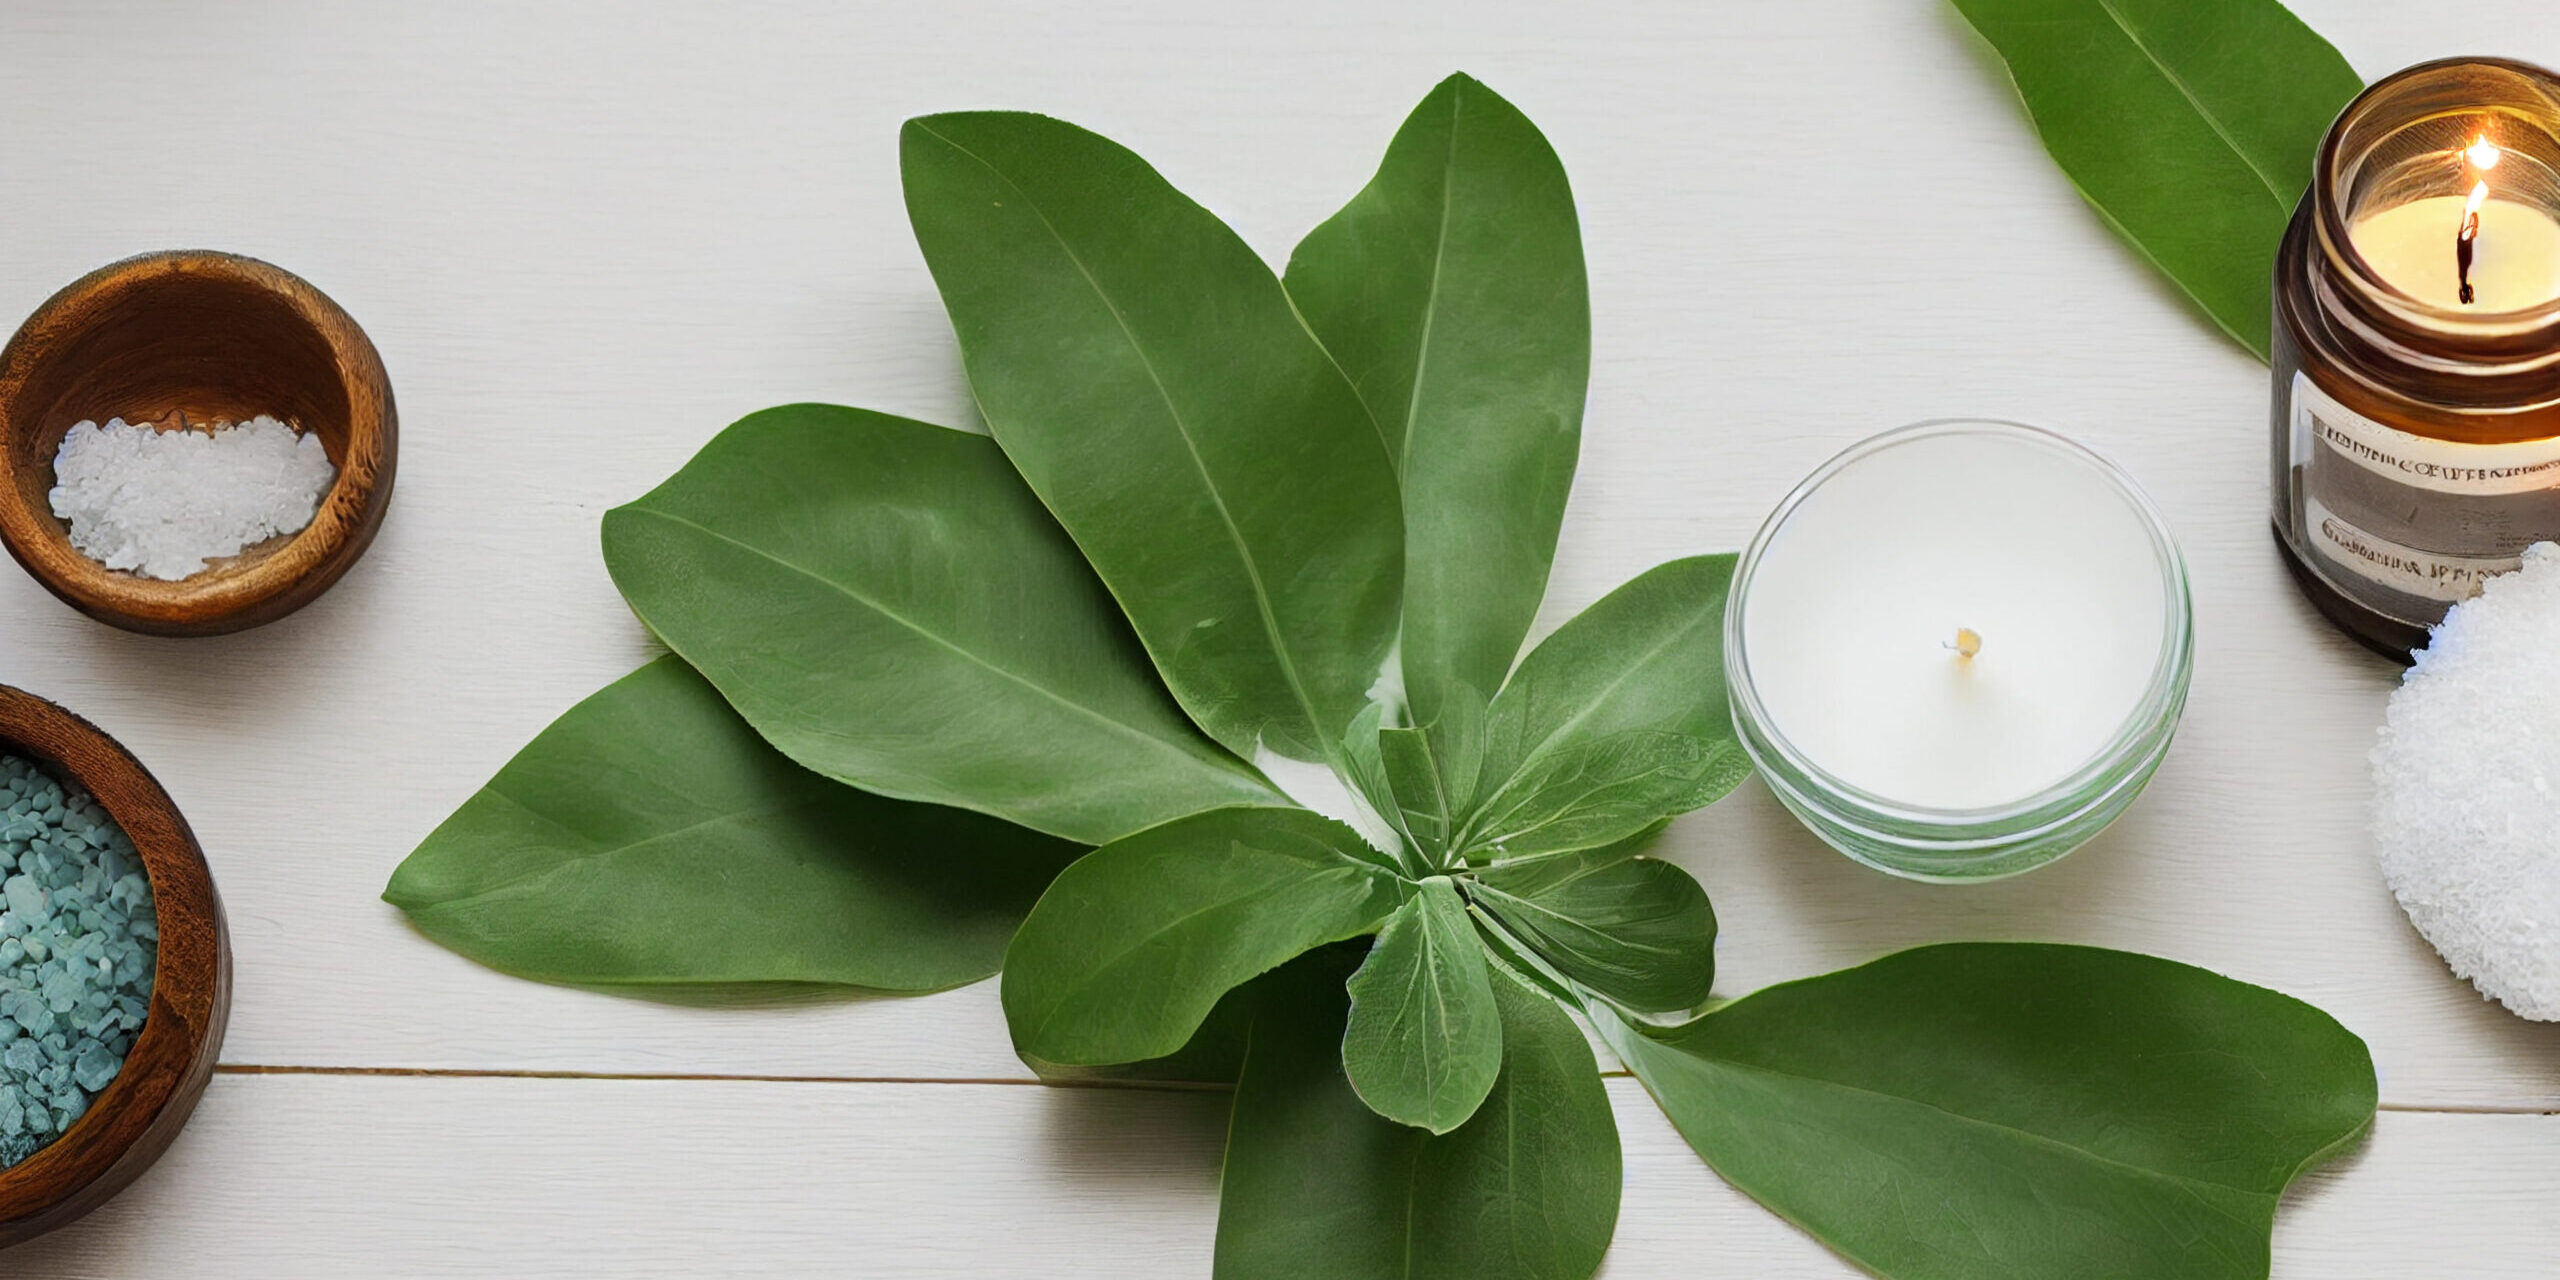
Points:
[[1968, 642], [2462, 239], [2462, 253]]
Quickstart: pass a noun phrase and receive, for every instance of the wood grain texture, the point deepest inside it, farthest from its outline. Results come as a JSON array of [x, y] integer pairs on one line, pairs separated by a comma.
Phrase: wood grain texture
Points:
[[354, 1176], [133, 1122], [190, 338], [588, 235]]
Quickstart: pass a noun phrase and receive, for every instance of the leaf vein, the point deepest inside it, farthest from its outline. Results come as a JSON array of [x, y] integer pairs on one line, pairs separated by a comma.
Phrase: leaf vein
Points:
[[2203, 112], [2029, 1136], [1191, 449], [1096, 714]]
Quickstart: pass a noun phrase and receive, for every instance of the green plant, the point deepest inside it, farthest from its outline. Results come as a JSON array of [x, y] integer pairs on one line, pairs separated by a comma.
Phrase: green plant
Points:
[[1237, 545]]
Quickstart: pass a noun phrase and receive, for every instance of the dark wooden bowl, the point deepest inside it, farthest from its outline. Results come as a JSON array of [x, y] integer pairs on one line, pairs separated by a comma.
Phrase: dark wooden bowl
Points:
[[195, 337], [129, 1125]]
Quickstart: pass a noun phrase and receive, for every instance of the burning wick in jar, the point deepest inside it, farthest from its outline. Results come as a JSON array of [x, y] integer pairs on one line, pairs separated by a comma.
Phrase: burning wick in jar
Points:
[[2483, 157]]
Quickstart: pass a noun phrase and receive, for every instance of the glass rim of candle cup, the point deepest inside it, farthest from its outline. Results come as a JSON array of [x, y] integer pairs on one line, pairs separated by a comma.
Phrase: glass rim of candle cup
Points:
[[1965, 845]]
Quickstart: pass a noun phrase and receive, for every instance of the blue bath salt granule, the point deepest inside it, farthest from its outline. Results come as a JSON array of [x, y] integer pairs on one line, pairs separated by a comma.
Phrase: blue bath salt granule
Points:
[[78, 945]]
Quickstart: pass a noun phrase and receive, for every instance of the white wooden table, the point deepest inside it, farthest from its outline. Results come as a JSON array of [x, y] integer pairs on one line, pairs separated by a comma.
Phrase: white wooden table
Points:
[[585, 237]]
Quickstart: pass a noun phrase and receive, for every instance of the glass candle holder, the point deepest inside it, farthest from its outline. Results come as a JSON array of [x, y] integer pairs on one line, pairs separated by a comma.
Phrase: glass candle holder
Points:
[[1958, 650], [2416, 348]]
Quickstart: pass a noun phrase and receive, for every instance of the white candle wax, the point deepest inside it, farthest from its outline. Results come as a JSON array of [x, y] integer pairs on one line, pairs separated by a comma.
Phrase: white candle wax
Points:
[[1852, 622], [2515, 255]]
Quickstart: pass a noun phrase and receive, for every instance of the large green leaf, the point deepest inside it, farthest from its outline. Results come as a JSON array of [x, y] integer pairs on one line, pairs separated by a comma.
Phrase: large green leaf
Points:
[[1424, 1041], [1452, 291], [1647, 660], [1990, 1111], [886, 603], [1637, 931], [1148, 376], [2190, 124], [1318, 1187], [1128, 951], [650, 838]]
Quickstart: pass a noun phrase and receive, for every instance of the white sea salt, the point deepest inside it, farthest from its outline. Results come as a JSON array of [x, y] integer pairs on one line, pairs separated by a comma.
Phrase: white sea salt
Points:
[[162, 503], [2466, 815]]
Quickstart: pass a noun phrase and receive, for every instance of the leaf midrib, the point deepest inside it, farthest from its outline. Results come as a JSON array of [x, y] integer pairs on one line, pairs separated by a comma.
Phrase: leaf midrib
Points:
[[532, 885], [1580, 806], [1097, 715], [1182, 428], [1425, 984], [1590, 708], [2203, 112], [592, 849], [2027, 1135], [1532, 905], [1431, 297]]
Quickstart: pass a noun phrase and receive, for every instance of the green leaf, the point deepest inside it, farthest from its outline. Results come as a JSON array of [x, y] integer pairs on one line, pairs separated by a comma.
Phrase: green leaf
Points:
[[887, 604], [1990, 1111], [1420, 805], [1365, 771], [1647, 659], [649, 838], [1318, 1187], [1214, 1055], [1594, 793], [1128, 951], [2192, 126], [1452, 291], [1147, 375], [1637, 931], [1424, 1041], [1431, 771]]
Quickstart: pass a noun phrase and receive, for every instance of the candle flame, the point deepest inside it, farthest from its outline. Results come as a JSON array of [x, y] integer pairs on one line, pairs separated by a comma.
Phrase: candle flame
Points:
[[2483, 156], [1968, 642]]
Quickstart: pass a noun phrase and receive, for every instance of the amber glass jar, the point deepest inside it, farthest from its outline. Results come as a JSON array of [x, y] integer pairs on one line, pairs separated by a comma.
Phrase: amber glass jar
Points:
[[2417, 440]]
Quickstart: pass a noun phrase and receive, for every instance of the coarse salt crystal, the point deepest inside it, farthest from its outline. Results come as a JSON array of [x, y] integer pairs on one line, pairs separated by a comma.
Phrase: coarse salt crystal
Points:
[[2465, 816], [162, 503]]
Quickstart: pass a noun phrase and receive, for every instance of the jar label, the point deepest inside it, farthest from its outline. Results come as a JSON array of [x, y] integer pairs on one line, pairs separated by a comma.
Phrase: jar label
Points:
[[2445, 466], [2403, 518], [2429, 575]]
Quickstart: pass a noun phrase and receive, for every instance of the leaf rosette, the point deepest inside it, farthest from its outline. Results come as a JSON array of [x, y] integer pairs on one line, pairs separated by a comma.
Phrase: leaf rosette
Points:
[[1194, 698]]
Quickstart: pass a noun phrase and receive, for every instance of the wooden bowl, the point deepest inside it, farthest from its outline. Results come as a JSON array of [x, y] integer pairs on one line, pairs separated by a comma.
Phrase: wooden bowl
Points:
[[193, 337], [128, 1126]]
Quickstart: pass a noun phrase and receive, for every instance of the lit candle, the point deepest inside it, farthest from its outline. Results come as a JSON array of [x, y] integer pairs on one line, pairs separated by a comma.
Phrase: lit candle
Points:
[[2416, 409], [1952, 625], [2474, 251]]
